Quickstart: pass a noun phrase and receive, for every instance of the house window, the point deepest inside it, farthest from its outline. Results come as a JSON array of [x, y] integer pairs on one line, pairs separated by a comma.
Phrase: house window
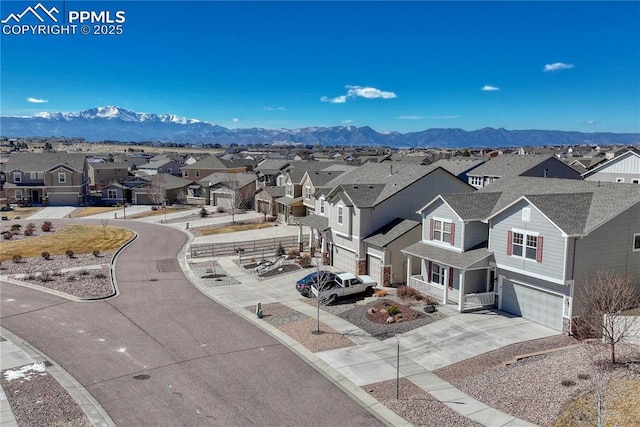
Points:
[[112, 194], [17, 177], [476, 181], [339, 214], [619, 179], [636, 242], [438, 273], [18, 194], [289, 190], [308, 193], [33, 175], [635, 181], [442, 231], [185, 174], [62, 178], [524, 245], [40, 175], [197, 174], [526, 214], [322, 207]]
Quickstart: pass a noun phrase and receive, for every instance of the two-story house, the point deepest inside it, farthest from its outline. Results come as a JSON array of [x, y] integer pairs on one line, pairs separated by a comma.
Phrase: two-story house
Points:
[[623, 168], [160, 167], [213, 164], [105, 173], [56, 179], [513, 165], [368, 214], [526, 245]]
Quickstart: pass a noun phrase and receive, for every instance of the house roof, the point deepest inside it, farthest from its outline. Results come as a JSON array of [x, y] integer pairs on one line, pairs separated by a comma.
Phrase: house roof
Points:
[[373, 183], [38, 162], [471, 206], [598, 202], [107, 165], [273, 191], [272, 166], [459, 165], [319, 178], [222, 177], [314, 221], [290, 201], [626, 154], [170, 182], [213, 162], [156, 164], [391, 231], [508, 165], [460, 260]]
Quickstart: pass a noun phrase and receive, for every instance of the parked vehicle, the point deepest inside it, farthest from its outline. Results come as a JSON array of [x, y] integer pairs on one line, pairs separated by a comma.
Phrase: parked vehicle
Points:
[[345, 284], [304, 285]]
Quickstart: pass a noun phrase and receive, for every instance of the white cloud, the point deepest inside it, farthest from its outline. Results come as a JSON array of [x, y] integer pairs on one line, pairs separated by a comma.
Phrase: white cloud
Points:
[[557, 66], [443, 117], [489, 88], [410, 117], [361, 92], [337, 100], [36, 100], [235, 120], [346, 122], [274, 108], [590, 122]]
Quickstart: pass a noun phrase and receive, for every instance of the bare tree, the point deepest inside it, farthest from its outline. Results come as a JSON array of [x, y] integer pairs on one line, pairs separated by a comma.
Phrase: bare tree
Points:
[[157, 190], [104, 223], [605, 297], [237, 201]]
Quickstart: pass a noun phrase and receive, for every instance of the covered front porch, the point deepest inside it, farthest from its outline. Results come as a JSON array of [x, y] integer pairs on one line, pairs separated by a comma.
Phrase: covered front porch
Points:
[[462, 278], [289, 208], [319, 235]]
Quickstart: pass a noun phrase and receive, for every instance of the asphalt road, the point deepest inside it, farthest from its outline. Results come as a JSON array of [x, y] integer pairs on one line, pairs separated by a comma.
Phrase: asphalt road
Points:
[[196, 362]]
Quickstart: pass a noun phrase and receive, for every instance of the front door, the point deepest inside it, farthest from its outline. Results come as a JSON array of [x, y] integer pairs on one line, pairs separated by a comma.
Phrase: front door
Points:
[[35, 196]]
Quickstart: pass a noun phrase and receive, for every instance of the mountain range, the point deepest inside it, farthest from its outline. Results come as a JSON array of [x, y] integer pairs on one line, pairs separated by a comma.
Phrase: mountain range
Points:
[[114, 123]]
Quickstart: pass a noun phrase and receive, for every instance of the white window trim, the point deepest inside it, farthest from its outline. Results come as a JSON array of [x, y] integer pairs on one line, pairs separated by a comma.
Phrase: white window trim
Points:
[[197, 173], [185, 174], [322, 206], [33, 175], [64, 180], [440, 241], [620, 180], [115, 194], [308, 192], [635, 181], [526, 214], [17, 177], [476, 181], [340, 215], [524, 233], [633, 243], [18, 194], [444, 273]]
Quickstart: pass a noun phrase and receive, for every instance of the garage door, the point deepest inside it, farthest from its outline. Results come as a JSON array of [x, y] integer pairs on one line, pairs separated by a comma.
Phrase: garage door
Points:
[[263, 207], [344, 259], [63, 199], [223, 200], [531, 303], [374, 268]]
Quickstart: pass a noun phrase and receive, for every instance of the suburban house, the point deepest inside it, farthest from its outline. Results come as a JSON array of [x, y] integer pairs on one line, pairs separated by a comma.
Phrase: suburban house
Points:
[[269, 170], [172, 187], [105, 173], [365, 216], [265, 200], [212, 164], [460, 166], [526, 245], [312, 180], [509, 166], [47, 178], [230, 191], [159, 167], [623, 168]]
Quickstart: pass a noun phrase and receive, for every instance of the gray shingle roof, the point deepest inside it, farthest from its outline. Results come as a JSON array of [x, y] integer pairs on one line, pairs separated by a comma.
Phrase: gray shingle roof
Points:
[[508, 165], [210, 162], [319, 178], [459, 165], [392, 231], [223, 177], [606, 201], [472, 206], [171, 182], [39, 162], [287, 201], [461, 260], [274, 191], [314, 221]]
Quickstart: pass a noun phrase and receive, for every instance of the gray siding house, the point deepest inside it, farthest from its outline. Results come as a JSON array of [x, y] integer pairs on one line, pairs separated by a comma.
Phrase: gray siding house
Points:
[[624, 168]]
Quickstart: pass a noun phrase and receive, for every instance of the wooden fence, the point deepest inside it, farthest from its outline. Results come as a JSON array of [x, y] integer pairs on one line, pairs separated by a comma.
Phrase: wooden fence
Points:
[[258, 249]]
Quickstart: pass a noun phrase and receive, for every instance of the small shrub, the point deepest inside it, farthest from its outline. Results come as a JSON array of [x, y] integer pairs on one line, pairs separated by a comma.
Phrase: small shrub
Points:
[[15, 228], [84, 272], [568, 383], [305, 261], [46, 255], [429, 300], [100, 276], [221, 209], [96, 253], [279, 250], [46, 226], [29, 229], [16, 259], [405, 292], [45, 277], [71, 278], [293, 253], [203, 213], [584, 376], [69, 253], [7, 235], [393, 310]]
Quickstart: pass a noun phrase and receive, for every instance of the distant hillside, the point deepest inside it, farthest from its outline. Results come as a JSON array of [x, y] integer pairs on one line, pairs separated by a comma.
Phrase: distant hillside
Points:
[[117, 124]]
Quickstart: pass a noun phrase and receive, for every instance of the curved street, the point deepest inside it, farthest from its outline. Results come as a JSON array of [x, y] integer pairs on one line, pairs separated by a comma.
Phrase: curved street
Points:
[[196, 362]]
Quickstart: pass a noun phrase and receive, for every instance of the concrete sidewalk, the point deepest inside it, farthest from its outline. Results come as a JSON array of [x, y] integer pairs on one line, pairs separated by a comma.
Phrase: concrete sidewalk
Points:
[[422, 350]]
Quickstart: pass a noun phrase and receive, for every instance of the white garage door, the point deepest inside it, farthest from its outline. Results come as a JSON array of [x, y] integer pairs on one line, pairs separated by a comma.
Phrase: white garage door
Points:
[[374, 268], [531, 303], [344, 259], [63, 199]]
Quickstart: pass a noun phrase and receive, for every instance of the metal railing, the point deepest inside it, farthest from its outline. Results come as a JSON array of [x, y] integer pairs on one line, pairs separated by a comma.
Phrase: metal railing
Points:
[[479, 300]]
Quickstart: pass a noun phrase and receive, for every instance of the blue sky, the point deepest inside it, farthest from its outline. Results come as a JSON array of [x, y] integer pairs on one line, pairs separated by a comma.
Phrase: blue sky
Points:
[[401, 66]]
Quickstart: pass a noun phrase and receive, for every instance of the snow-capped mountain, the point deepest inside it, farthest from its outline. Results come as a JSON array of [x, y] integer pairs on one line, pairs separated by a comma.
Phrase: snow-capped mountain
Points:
[[118, 124]]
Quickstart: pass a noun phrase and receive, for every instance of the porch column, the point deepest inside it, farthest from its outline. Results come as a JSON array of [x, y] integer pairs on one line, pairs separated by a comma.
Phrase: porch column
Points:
[[446, 288], [300, 244], [408, 270], [311, 248], [461, 296]]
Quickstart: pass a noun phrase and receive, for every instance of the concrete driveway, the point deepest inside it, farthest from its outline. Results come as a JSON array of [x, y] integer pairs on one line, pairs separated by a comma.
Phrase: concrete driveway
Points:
[[52, 212]]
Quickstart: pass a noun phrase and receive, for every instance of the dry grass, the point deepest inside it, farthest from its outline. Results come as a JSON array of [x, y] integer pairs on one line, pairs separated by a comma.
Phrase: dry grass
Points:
[[93, 210], [624, 411], [232, 228], [20, 212], [81, 239], [157, 212]]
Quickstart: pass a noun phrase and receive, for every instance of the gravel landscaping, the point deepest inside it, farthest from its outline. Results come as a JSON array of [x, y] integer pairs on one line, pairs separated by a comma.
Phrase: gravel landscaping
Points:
[[211, 274], [37, 399], [416, 405]]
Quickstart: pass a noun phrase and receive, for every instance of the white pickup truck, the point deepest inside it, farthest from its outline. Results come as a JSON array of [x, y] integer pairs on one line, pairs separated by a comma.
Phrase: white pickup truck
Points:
[[343, 285]]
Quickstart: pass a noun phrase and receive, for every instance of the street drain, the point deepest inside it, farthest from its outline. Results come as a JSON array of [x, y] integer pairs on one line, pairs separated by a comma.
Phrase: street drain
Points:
[[153, 280], [142, 377]]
